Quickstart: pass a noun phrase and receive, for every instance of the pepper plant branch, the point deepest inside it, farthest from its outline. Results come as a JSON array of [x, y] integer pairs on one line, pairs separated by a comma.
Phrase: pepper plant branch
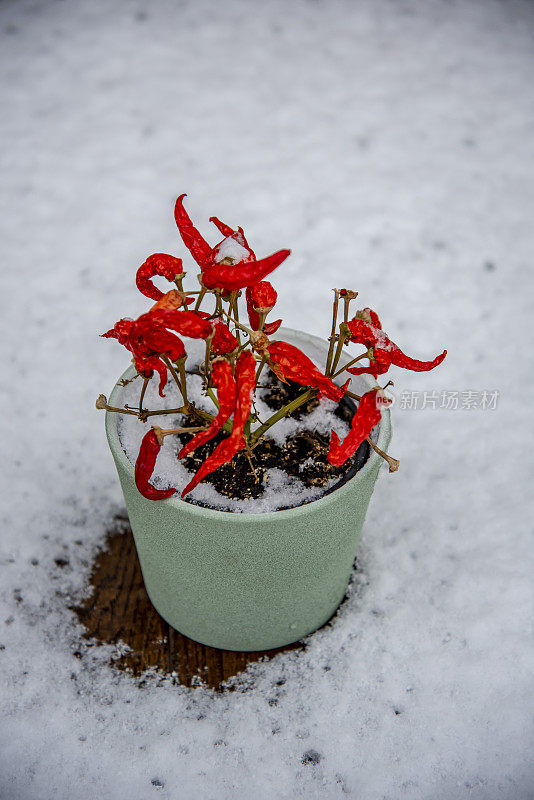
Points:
[[344, 334], [102, 405], [161, 433], [143, 390], [285, 411], [260, 368], [175, 376], [332, 338], [367, 354], [234, 307], [200, 298], [183, 378], [393, 463]]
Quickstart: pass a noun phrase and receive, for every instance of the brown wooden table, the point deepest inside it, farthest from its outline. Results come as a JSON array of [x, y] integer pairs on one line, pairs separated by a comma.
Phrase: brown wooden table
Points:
[[119, 610]]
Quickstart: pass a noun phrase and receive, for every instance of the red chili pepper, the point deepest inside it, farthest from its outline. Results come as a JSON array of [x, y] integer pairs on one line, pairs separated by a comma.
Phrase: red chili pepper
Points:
[[171, 300], [233, 277], [245, 378], [164, 343], [296, 366], [157, 264], [367, 415], [261, 297], [238, 235], [144, 467], [146, 366], [224, 382], [147, 338], [195, 243], [385, 351], [121, 331], [223, 340], [217, 275], [370, 316], [187, 323], [145, 359], [225, 229]]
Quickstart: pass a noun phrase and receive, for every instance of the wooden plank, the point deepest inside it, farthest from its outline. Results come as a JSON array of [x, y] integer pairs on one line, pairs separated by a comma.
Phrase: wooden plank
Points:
[[119, 610]]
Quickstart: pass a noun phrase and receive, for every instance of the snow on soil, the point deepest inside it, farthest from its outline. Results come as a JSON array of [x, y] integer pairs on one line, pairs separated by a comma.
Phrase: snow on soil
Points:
[[281, 490], [390, 145]]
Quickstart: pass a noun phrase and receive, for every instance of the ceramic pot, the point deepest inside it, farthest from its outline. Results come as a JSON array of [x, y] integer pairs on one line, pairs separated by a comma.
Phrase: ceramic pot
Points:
[[249, 581]]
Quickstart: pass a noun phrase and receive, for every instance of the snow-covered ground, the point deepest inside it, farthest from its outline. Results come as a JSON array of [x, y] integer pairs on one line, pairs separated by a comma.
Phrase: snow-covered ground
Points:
[[391, 146]]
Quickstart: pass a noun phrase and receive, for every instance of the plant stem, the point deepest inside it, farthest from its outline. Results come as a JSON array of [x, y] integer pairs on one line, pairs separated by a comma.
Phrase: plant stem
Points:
[[118, 410], [280, 414], [200, 298], [259, 370], [235, 310], [354, 396], [350, 363], [333, 332], [145, 414], [339, 349], [211, 394], [392, 462], [143, 390], [207, 359], [183, 379], [175, 376], [346, 301]]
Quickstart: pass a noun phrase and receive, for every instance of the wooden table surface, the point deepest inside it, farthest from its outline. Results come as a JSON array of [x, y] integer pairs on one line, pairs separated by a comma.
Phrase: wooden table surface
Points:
[[119, 610]]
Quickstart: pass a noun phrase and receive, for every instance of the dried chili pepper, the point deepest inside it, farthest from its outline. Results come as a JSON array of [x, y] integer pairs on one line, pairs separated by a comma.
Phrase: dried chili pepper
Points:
[[385, 352], [144, 467], [221, 267], [193, 240], [245, 378], [121, 331], [296, 366], [145, 359], [157, 264], [147, 338], [367, 415], [147, 366], [261, 298], [224, 382], [227, 231], [187, 323], [223, 340], [171, 300], [240, 275]]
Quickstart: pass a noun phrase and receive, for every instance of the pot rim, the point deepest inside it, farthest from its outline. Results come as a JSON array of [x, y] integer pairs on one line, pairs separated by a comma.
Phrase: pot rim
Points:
[[384, 436]]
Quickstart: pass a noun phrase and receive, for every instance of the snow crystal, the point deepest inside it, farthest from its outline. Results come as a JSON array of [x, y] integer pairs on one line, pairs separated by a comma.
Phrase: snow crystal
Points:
[[229, 248]]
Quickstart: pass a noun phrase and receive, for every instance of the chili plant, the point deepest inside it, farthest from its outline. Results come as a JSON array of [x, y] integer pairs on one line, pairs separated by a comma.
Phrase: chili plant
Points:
[[238, 349]]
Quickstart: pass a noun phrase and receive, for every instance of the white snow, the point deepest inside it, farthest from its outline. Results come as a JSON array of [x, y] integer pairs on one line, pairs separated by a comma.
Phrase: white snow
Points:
[[229, 248], [389, 145]]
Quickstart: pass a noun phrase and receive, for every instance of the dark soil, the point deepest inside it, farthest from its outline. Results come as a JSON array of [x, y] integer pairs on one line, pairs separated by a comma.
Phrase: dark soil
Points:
[[238, 481]]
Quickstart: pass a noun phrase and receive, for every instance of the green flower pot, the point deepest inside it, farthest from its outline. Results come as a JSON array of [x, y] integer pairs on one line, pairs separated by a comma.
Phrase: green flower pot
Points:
[[248, 581]]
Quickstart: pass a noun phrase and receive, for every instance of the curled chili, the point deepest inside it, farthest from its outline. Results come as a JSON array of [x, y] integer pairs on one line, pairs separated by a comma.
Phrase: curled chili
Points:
[[157, 264], [144, 467], [385, 352], [261, 298], [366, 416]]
